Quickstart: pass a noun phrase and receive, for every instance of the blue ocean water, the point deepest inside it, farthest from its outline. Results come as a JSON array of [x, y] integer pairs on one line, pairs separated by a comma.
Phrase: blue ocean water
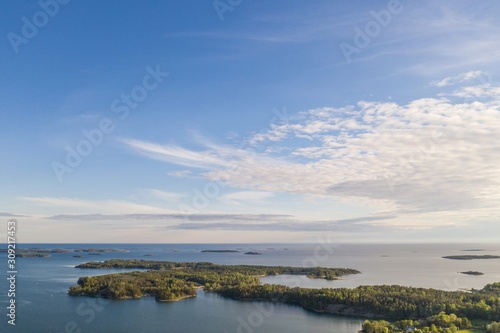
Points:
[[43, 305]]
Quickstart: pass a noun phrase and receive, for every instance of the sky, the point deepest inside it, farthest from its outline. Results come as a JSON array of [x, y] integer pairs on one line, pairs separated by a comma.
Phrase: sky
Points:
[[250, 121]]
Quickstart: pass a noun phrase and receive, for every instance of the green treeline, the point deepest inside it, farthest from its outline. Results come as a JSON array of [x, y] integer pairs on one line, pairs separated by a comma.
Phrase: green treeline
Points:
[[494, 327], [440, 323], [379, 301]]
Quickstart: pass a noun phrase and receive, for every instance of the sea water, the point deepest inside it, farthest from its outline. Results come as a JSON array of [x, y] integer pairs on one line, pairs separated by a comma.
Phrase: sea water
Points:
[[43, 305]]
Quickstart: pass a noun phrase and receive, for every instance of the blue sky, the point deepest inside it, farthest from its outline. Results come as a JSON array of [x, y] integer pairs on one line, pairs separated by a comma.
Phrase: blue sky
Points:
[[250, 121]]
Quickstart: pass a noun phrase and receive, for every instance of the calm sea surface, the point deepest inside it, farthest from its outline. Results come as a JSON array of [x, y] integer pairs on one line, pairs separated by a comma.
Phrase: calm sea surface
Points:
[[43, 304]]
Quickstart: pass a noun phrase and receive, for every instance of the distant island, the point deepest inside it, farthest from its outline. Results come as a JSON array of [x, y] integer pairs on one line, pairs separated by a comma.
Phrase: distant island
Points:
[[32, 255], [472, 257], [252, 253], [220, 251], [94, 250], [472, 273], [40, 250], [37, 252], [474, 250]]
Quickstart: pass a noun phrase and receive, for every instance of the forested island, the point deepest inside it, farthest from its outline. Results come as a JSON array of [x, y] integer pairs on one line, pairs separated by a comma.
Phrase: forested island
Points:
[[164, 287], [170, 281]]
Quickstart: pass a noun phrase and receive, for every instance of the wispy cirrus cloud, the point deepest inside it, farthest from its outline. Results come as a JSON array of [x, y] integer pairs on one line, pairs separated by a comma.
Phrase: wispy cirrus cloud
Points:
[[176, 217], [438, 38], [181, 174], [178, 155], [211, 156], [4, 214], [354, 225], [103, 206], [235, 222], [313, 23]]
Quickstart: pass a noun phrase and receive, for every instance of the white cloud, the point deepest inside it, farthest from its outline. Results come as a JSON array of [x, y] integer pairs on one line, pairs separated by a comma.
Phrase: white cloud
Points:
[[165, 195], [180, 173], [461, 78], [476, 92], [429, 156]]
